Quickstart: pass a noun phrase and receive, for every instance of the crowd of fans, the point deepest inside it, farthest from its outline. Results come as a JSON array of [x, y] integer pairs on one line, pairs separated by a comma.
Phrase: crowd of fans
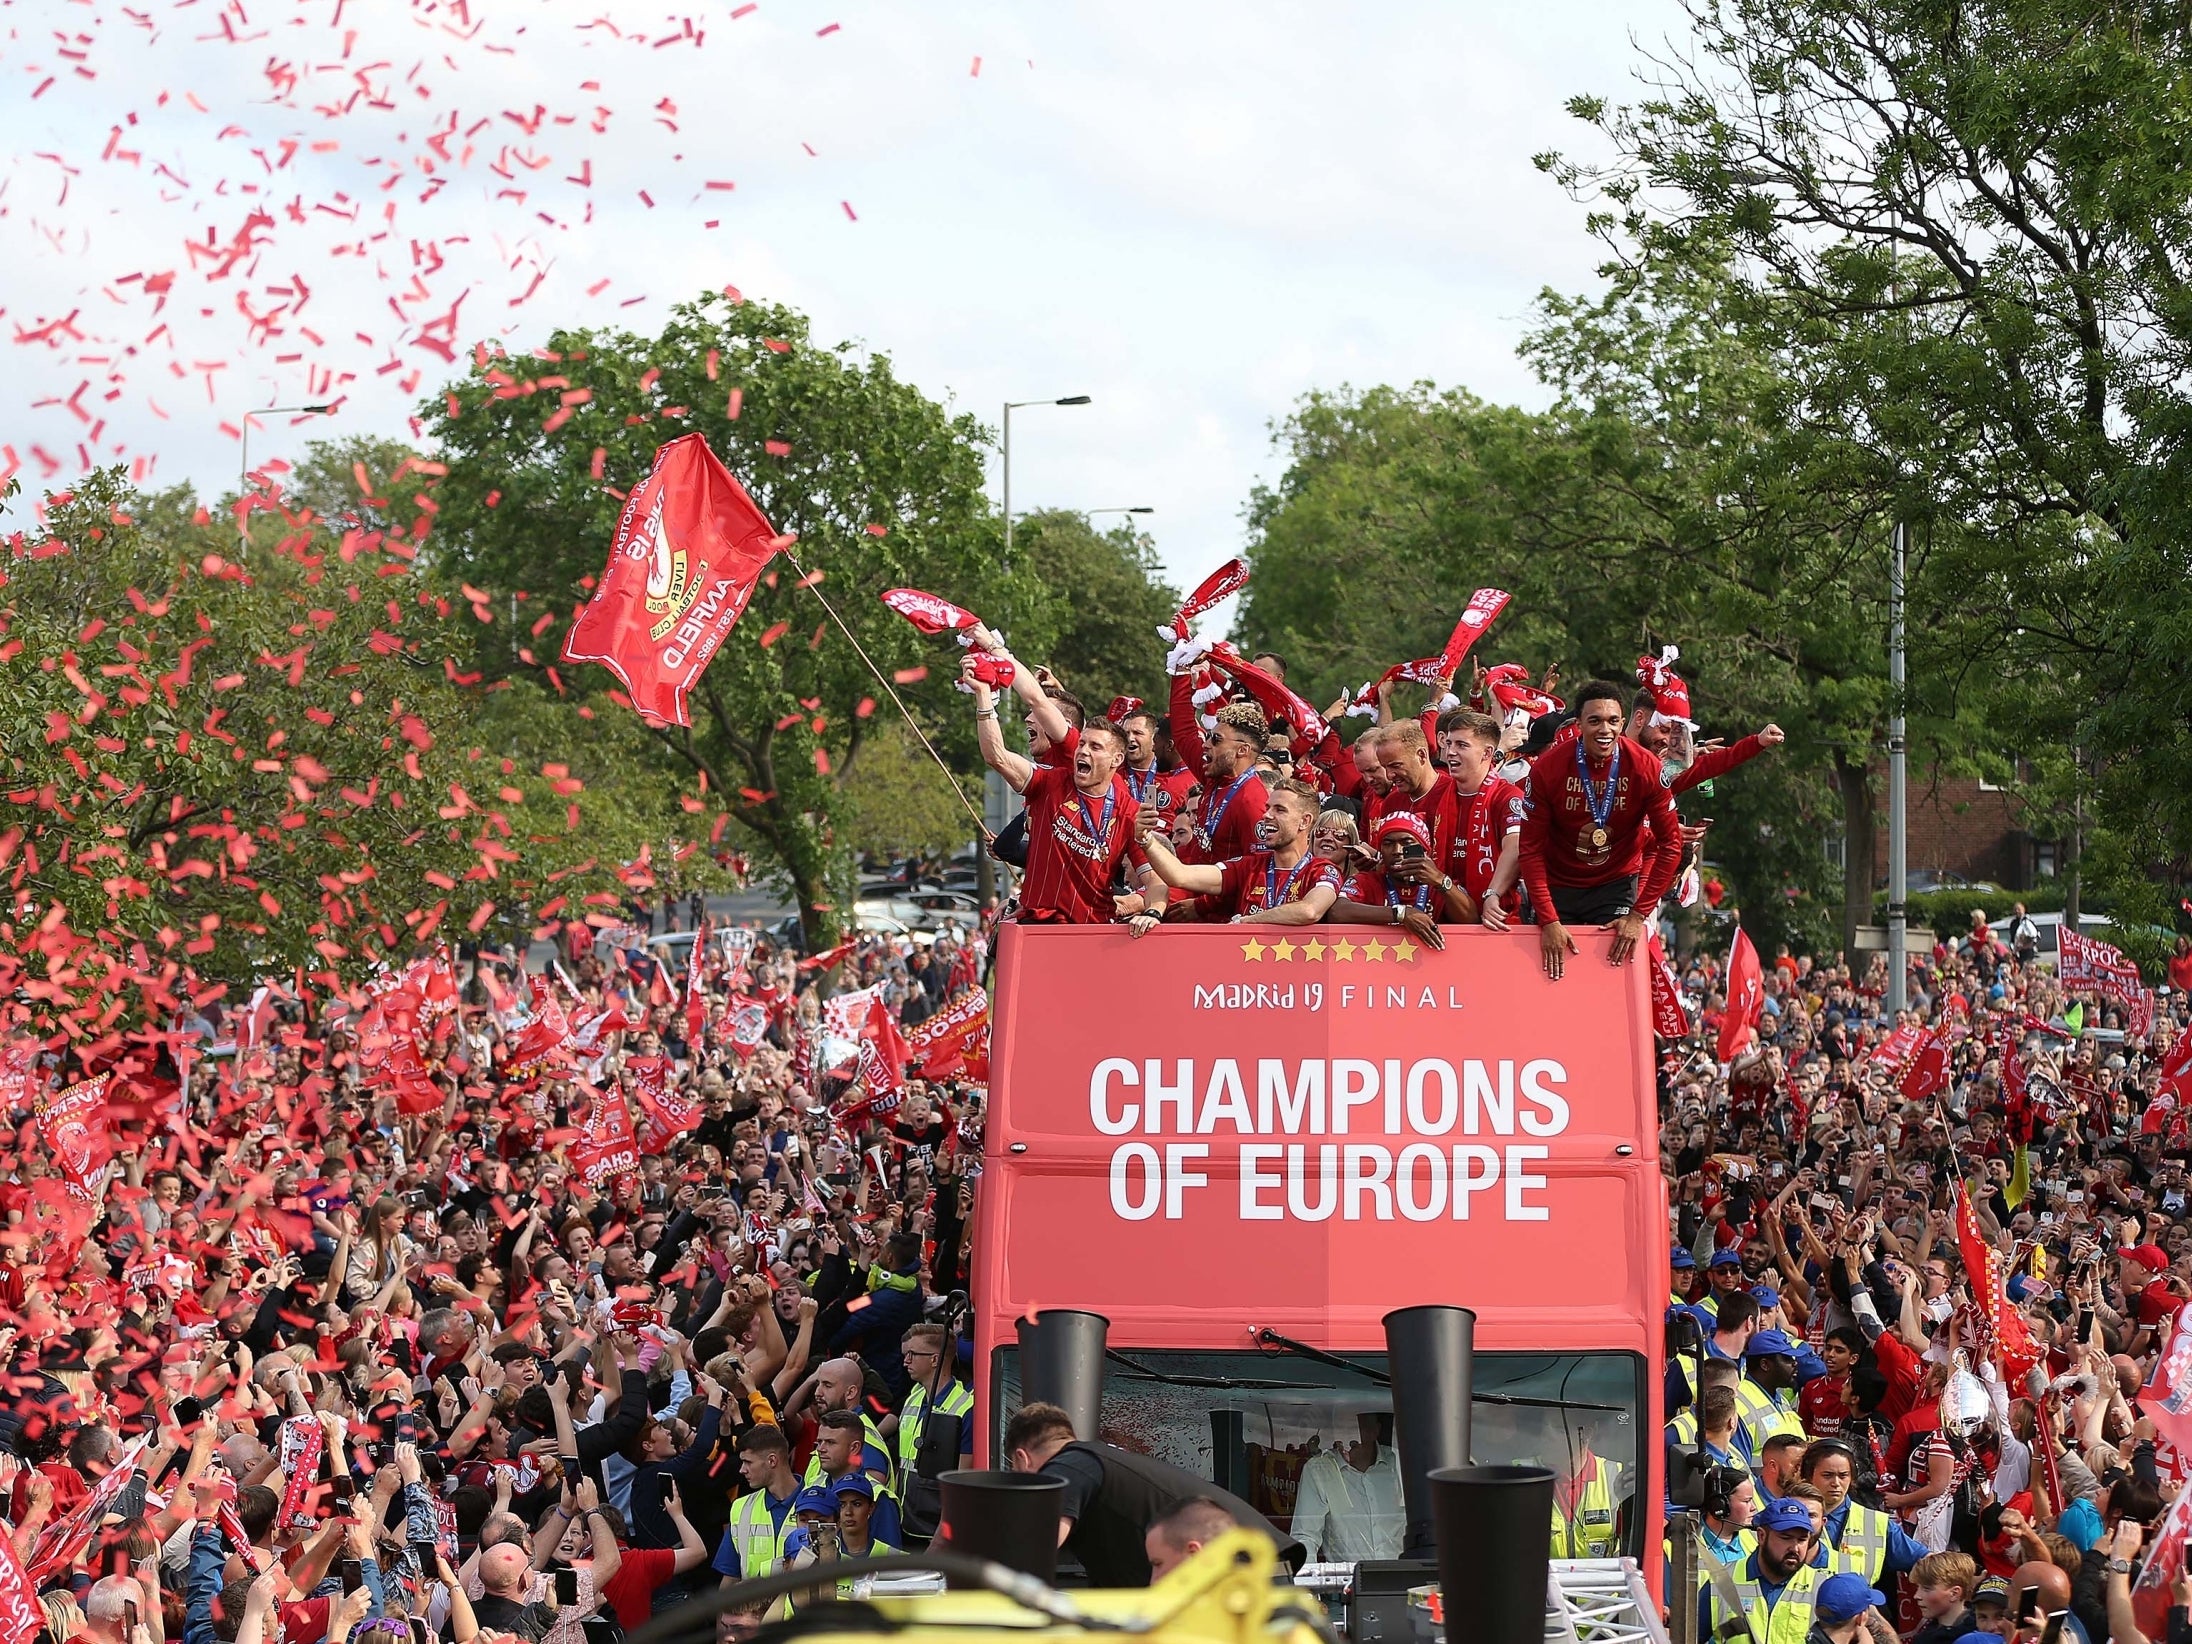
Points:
[[507, 1304]]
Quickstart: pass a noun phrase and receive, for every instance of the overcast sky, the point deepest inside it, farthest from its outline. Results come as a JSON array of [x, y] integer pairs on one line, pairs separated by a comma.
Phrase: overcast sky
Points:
[[1193, 213]]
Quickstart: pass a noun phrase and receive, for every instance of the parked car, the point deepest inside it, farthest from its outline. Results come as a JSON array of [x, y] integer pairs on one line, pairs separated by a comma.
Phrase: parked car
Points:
[[1920, 881]]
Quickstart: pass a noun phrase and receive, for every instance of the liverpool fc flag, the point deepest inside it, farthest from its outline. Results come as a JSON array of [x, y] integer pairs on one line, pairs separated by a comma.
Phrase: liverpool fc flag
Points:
[[687, 553]]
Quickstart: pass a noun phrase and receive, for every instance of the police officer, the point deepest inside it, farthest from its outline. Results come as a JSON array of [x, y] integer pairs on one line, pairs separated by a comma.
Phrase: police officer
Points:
[[1772, 1590], [935, 1428], [1855, 1539], [1114, 1496]]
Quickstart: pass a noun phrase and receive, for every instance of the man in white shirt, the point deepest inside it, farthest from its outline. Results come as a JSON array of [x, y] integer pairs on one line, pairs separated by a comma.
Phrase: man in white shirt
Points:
[[1348, 1507]]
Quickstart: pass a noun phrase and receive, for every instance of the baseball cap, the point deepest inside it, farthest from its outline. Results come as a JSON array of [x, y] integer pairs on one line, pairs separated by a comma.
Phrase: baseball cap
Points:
[[853, 1484], [1681, 1259], [816, 1498], [1991, 1590], [1726, 1258], [2152, 1257], [1842, 1597], [1783, 1513], [2158, 1302], [1766, 1296], [1770, 1344]]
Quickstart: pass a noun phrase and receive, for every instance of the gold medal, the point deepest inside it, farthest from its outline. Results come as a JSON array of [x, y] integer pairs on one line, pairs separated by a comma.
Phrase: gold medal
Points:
[[1598, 839]]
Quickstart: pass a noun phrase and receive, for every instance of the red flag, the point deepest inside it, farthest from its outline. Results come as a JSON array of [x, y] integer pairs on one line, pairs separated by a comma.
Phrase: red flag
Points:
[[688, 551], [928, 613], [544, 1043], [606, 1146], [1669, 1019], [832, 957], [1746, 989], [63, 1541], [663, 1115], [2176, 1068], [20, 1617], [2165, 1562], [1988, 1271], [881, 1030], [74, 1123], [747, 1021], [2167, 1400], [302, 1441], [696, 998], [1229, 578], [1273, 697], [1927, 1075]]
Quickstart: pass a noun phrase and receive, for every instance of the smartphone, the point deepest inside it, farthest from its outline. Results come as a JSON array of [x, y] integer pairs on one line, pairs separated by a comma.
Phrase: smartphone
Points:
[[566, 1587], [1825, 1201], [352, 1574]]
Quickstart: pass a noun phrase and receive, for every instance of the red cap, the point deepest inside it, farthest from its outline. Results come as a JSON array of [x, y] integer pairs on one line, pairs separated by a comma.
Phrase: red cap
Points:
[[2152, 1257]]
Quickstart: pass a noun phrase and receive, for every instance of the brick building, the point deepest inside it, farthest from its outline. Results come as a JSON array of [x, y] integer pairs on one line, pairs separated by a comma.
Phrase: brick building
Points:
[[1960, 825]]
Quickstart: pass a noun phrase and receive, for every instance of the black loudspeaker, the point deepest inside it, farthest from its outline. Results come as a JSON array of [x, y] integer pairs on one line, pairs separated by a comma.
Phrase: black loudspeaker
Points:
[[1430, 1353], [1495, 1549], [1062, 1363], [1008, 1518]]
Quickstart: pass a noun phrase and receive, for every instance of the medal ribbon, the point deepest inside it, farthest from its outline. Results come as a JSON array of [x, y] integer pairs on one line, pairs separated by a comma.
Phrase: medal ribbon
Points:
[[1100, 834], [1214, 813], [1275, 894], [1598, 800]]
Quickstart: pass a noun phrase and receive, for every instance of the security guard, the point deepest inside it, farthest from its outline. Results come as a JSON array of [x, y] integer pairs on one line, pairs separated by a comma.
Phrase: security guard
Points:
[[1771, 1591], [935, 1428], [761, 1519], [1584, 1500], [1766, 1395], [841, 1385], [1682, 1267], [1724, 1277], [1856, 1539]]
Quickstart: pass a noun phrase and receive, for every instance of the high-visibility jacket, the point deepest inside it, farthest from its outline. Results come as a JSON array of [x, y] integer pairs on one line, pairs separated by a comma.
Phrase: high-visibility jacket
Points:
[[1682, 1429], [1588, 1532], [1734, 1552], [1863, 1547], [1761, 1414], [870, 1434], [1787, 1620], [913, 1418], [757, 1535]]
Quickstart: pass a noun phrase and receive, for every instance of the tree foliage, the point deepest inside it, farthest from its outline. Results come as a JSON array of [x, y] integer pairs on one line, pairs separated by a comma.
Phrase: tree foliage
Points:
[[1106, 597], [881, 486], [1965, 226], [290, 767]]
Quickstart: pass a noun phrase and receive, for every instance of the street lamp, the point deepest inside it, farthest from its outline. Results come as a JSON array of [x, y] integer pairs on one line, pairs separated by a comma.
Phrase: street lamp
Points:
[[1010, 407], [1091, 513], [243, 461]]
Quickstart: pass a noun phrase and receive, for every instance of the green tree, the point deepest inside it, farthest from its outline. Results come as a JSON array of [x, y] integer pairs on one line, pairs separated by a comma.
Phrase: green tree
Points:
[[1969, 223], [287, 768], [1107, 597], [896, 803], [881, 486]]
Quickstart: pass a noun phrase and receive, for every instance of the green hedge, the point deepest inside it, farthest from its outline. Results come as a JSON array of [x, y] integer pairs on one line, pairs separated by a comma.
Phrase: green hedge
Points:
[[1950, 910]]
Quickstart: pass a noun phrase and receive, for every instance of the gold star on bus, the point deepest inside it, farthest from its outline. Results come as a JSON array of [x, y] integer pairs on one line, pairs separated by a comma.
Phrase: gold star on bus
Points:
[[1252, 949], [1373, 950], [1404, 950], [1343, 949], [1313, 948], [1282, 949]]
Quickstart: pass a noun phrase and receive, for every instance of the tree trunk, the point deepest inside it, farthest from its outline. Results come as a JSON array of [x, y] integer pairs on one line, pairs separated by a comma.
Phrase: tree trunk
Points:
[[1855, 783]]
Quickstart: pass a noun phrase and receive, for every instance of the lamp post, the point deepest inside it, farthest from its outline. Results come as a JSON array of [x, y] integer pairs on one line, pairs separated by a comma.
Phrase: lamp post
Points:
[[1091, 513], [1010, 407], [243, 461]]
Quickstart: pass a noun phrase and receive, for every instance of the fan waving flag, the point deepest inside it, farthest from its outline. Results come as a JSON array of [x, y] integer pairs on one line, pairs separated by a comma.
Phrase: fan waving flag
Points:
[[688, 551], [1746, 992], [928, 613], [1229, 578]]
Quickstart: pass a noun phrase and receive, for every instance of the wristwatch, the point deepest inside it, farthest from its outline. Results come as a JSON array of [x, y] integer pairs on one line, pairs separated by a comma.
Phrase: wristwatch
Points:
[[2119, 1566]]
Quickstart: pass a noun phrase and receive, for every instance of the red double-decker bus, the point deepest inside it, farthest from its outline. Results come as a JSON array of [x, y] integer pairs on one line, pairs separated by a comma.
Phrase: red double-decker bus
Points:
[[1244, 1145]]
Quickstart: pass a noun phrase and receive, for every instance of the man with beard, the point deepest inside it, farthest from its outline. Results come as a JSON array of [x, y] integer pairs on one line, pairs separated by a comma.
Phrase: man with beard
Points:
[[1774, 1587], [1153, 789], [1414, 784], [1583, 835], [1233, 797], [1283, 883], [1080, 818]]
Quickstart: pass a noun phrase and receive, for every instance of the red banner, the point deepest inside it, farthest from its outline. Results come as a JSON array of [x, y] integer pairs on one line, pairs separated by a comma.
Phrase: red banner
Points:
[[1336, 1122], [20, 1617], [1484, 604], [928, 613], [1746, 995], [1927, 1075], [74, 1124], [543, 1044], [696, 993], [61, 1543], [954, 1020], [663, 1115], [606, 1145], [303, 1440], [688, 551], [2009, 1342], [1670, 1019], [2167, 1400], [2096, 967], [747, 1022]]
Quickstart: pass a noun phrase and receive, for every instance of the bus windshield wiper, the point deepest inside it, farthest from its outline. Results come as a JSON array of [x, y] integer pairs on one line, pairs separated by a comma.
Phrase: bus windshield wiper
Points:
[[1267, 1338], [1221, 1382]]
